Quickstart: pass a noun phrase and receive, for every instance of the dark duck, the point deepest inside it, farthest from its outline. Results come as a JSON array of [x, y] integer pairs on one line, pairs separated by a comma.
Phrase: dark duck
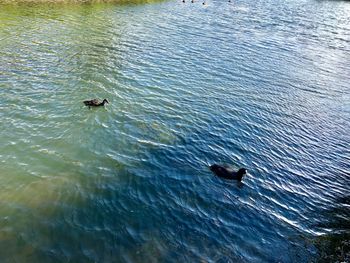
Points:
[[227, 173], [95, 103]]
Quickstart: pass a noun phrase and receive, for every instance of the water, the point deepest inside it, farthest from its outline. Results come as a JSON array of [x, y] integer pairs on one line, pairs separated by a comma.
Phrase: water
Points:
[[256, 84]]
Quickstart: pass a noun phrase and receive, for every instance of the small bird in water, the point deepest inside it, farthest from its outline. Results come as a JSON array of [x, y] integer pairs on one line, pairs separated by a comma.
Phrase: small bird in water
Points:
[[227, 173], [95, 102]]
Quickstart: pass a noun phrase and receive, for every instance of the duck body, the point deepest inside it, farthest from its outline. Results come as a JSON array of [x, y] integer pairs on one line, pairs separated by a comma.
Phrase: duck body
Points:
[[226, 173], [95, 102]]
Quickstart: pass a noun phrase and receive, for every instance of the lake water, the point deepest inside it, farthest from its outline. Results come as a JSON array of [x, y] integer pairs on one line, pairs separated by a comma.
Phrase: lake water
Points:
[[256, 84]]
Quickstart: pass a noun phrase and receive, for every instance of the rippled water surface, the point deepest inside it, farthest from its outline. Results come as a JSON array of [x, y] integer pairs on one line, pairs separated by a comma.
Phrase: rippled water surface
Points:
[[256, 84]]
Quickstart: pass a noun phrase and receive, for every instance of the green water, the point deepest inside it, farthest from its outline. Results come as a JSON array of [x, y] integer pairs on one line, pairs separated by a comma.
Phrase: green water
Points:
[[261, 85]]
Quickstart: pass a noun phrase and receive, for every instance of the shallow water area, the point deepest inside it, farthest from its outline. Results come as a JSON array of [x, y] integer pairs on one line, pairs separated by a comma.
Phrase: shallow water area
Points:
[[256, 84]]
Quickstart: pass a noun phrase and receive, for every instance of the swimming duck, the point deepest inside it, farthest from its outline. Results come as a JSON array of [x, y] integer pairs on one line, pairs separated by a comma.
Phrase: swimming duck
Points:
[[95, 102], [227, 173]]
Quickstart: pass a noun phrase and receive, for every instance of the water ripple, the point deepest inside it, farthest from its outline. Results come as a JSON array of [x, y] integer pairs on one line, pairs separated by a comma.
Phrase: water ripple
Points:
[[257, 84]]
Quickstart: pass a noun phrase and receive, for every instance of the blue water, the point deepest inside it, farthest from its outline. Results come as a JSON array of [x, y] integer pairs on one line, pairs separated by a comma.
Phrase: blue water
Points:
[[256, 84]]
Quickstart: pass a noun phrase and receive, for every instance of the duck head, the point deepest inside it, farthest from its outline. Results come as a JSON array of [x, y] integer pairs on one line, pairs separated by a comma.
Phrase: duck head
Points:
[[242, 171], [105, 101]]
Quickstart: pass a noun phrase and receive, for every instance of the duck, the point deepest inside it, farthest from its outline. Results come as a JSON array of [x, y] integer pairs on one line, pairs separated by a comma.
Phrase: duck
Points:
[[95, 102], [227, 173]]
